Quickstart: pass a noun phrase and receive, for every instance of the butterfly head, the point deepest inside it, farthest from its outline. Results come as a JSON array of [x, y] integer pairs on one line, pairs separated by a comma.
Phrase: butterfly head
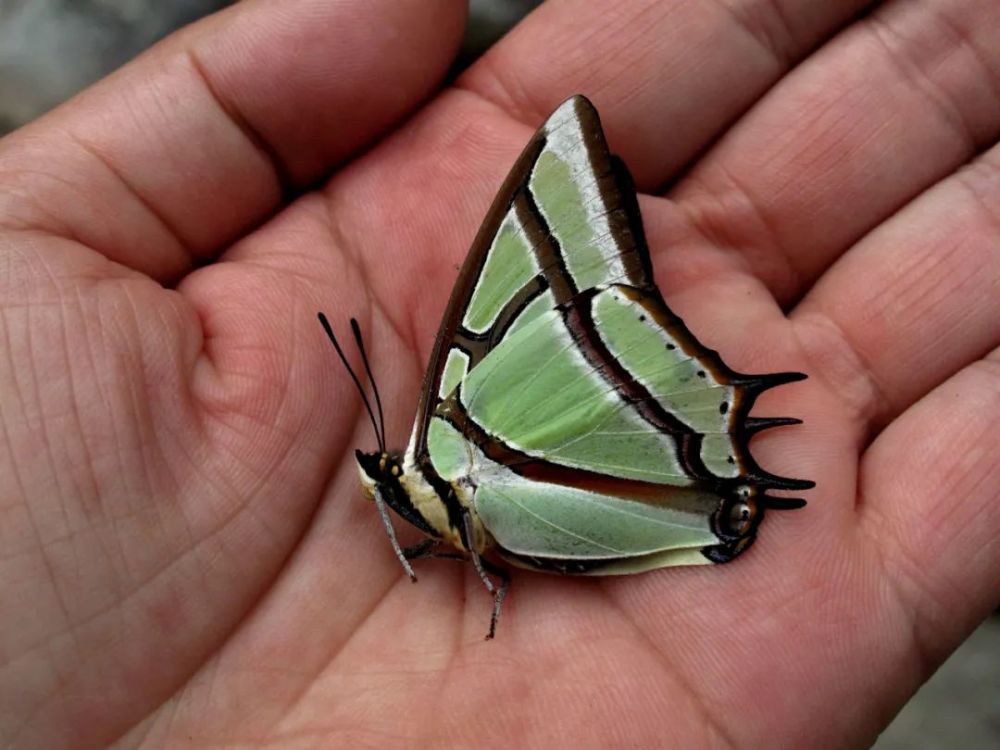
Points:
[[379, 470]]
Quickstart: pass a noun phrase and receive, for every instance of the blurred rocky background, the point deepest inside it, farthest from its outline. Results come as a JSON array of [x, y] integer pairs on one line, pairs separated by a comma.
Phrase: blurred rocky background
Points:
[[50, 49]]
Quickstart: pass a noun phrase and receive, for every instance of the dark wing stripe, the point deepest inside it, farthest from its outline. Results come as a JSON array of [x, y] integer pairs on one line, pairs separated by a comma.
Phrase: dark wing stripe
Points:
[[546, 247]]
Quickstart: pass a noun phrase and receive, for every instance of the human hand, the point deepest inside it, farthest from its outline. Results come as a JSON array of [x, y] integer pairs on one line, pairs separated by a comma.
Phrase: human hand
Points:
[[186, 554]]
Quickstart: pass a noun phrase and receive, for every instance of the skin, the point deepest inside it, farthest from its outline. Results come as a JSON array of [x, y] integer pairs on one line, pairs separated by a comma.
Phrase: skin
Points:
[[186, 555]]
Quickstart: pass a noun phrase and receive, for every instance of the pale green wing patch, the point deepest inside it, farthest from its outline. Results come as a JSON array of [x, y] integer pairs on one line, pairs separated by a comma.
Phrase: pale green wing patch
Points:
[[450, 451], [455, 369], [510, 264], [539, 519], [592, 260]]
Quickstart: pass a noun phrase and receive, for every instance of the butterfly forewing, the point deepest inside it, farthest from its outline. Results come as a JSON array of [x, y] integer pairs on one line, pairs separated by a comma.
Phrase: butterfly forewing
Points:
[[516, 267]]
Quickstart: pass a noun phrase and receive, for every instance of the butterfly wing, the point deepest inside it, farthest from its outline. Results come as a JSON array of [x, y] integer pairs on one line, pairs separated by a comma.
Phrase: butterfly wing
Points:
[[508, 274], [598, 434]]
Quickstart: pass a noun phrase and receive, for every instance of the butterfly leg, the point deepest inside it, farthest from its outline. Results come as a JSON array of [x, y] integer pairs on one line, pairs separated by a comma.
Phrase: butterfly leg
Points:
[[499, 591], [387, 522], [485, 569]]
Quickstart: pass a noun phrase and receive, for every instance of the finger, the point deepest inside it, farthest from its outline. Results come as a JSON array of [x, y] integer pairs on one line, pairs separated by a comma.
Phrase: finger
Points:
[[667, 77], [187, 147], [914, 302], [929, 492], [895, 103]]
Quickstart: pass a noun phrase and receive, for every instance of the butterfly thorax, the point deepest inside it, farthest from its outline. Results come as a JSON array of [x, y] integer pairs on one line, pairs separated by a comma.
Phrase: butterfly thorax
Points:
[[405, 489]]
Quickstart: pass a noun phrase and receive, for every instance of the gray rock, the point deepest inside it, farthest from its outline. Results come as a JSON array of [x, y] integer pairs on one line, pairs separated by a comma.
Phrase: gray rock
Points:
[[959, 707]]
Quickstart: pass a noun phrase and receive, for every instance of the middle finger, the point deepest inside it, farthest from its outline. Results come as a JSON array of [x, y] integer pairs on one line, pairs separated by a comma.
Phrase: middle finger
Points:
[[892, 105]]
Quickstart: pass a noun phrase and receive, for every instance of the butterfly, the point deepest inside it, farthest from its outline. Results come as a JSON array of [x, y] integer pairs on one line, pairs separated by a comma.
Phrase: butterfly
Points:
[[569, 421]]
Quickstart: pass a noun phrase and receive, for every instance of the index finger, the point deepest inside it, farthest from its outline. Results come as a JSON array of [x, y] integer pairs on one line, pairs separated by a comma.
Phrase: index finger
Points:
[[182, 150]]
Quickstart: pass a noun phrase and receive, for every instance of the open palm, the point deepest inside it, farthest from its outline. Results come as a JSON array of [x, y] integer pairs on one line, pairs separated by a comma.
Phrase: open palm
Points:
[[186, 556]]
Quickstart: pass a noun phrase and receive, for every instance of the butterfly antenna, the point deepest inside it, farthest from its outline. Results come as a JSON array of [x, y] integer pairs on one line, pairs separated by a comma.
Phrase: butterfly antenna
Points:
[[371, 414], [356, 329]]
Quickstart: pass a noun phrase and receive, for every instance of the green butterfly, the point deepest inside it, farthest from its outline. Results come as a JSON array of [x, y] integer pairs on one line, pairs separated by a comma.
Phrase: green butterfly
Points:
[[569, 422]]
